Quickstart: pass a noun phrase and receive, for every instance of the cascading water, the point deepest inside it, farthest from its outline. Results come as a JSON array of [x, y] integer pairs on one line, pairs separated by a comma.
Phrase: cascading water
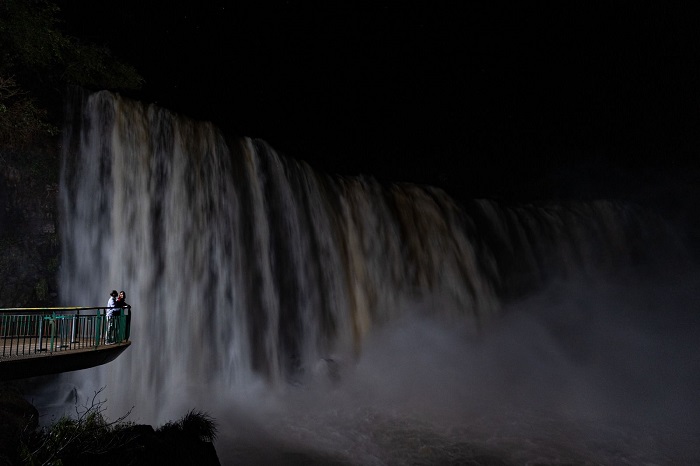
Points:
[[248, 271]]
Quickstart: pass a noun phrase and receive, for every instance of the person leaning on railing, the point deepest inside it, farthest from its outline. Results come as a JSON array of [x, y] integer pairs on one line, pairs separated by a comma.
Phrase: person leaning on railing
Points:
[[121, 303]]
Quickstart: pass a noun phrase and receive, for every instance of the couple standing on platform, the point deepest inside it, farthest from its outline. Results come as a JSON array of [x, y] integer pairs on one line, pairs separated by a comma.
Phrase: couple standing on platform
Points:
[[114, 305]]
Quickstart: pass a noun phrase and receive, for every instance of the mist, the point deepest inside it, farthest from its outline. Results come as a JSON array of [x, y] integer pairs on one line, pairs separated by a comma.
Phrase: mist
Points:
[[598, 370], [601, 371]]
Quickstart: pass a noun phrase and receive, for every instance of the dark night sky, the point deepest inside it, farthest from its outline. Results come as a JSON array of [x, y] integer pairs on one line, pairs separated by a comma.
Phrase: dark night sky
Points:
[[546, 100]]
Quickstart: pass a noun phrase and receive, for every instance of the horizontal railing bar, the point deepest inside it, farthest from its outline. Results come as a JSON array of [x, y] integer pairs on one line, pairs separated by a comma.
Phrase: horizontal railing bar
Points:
[[57, 329], [12, 309]]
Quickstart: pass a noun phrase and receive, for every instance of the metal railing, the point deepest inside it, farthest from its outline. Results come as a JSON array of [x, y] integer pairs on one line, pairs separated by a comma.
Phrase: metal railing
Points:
[[37, 331]]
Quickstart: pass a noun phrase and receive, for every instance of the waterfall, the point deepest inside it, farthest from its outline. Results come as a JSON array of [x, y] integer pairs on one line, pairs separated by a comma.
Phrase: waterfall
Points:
[[246, 268]]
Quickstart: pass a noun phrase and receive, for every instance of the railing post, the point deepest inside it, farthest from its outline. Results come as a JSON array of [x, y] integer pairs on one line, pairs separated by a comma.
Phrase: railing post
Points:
[[98, 327], [52, 327], [41, 333], [4, 333], [72, 333], [13, 332], [127, 325]]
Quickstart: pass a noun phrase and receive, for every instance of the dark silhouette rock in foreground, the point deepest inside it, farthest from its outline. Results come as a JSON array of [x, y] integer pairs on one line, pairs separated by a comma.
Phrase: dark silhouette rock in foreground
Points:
[[90, 440], [142, 445], [17, 415]]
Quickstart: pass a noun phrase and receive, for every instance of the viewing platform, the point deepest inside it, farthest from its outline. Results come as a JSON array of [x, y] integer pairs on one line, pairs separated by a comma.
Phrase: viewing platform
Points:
[[41, 341]]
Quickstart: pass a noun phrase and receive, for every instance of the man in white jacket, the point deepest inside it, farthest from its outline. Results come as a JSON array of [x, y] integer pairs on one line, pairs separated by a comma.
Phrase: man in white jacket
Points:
[[111, 307]]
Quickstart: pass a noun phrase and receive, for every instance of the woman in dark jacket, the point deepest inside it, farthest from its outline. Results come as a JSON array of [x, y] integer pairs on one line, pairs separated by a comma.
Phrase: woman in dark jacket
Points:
[[121, 299], [121, 302]]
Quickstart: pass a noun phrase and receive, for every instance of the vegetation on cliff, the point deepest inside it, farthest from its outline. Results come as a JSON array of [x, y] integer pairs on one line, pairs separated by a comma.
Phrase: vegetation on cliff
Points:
[[38, 64], [38, 61]]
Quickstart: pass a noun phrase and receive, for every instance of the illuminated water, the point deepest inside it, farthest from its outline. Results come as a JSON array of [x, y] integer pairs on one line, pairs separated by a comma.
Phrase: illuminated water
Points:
[[337, 320]]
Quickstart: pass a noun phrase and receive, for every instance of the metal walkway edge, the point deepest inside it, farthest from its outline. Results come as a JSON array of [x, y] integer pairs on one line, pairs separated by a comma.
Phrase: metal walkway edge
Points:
[[42, 341]]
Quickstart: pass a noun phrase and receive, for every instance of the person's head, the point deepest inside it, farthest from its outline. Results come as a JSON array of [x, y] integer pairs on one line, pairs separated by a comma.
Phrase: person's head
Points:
[[114, 294], [122, 295]]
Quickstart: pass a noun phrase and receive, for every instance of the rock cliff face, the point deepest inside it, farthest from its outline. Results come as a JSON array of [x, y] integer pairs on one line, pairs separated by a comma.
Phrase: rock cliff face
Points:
[[29, 246]]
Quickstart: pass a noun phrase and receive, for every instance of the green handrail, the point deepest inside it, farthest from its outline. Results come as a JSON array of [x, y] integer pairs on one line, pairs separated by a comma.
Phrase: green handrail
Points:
[[27, 331]]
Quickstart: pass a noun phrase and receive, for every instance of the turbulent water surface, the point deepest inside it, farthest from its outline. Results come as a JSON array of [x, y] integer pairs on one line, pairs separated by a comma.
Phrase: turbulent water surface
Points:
[[334, 320]]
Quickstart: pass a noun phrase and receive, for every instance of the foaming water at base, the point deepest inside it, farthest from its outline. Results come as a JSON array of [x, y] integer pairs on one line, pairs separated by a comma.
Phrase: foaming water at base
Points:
[[584, 372], [534, 388]]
